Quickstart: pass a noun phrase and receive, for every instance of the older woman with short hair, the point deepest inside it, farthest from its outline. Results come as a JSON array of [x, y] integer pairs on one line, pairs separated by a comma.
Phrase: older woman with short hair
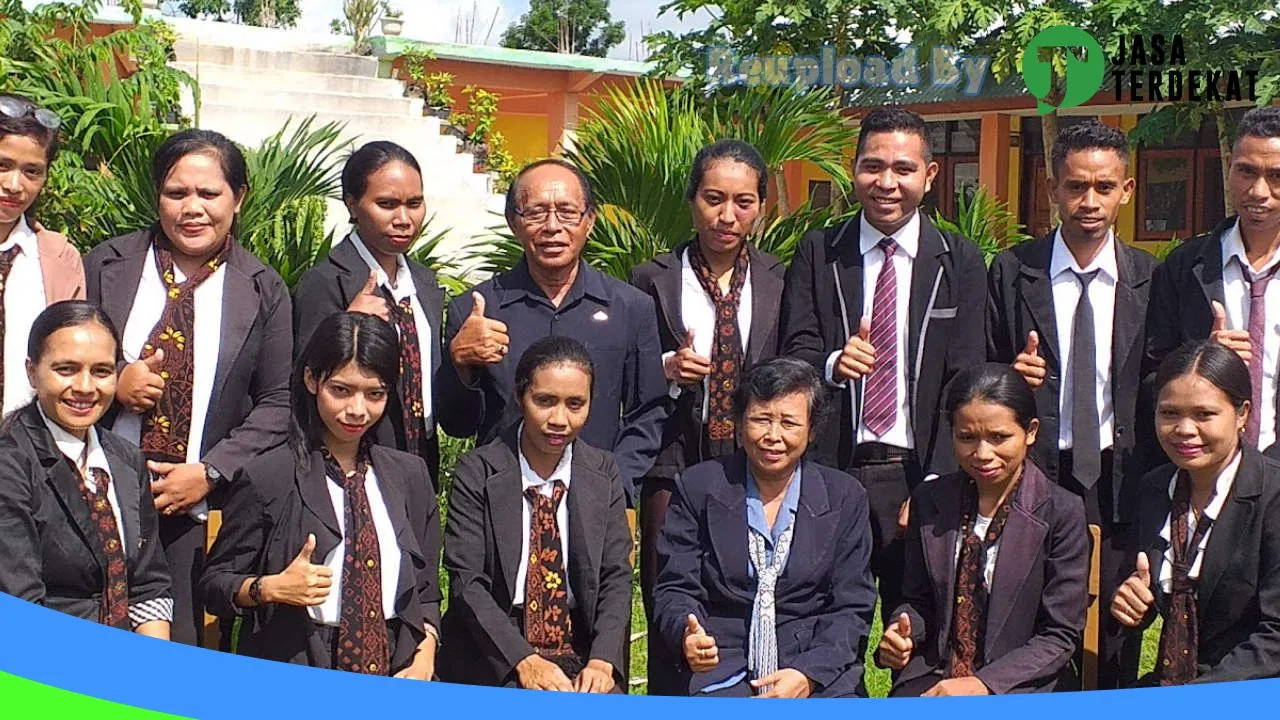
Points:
[[763, 583]]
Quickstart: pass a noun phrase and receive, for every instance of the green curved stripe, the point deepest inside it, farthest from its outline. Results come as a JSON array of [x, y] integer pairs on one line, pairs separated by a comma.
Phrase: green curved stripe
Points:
[[21, 698]]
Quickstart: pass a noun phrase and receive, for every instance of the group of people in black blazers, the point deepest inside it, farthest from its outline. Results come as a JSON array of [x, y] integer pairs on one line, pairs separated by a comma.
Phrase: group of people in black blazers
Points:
[[865, 424]]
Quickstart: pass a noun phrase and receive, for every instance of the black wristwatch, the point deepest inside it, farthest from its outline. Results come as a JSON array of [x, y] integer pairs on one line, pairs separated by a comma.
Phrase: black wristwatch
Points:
[[255, 590], [215, 478]]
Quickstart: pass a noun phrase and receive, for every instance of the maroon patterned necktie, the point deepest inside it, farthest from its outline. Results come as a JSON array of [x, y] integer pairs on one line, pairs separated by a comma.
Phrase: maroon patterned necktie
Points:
[[114, 609], [726, 348], [364, 645], [167, 426], [547, 625], [414, 414], [880, 405], [6, 265], [969, 621], [1257, 343], [1180, 634]]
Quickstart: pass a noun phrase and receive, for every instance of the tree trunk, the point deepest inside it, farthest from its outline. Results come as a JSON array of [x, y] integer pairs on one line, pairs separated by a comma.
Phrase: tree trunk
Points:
[[1224, 149], [784, 198], [1049, 126]]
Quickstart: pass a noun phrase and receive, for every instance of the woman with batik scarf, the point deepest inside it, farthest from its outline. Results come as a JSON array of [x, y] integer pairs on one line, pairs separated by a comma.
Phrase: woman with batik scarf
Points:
[[1206, 546], [717, 297], [330, 548], [207, 346], [995, 583]]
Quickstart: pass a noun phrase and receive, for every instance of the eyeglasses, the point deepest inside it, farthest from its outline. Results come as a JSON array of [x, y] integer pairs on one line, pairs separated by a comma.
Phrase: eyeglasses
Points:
[[16, 109], [539, 215]]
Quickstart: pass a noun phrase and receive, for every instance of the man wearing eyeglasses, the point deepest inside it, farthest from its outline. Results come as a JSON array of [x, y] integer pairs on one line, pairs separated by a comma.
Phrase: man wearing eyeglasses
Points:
[[552, 291]]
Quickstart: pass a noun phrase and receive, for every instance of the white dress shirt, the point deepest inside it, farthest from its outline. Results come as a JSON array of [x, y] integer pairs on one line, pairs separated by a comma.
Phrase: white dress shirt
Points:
[[1236, 292], [908, 240], [531, 479], [404, 288], [148, 307], [1222, 488], [330, 611], [88, 455], [24, 300], [698, 314], [980, 525], [1066, 296]]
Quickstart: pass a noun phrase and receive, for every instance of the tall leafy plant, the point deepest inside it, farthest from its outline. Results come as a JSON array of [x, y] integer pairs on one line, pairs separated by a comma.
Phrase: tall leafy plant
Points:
[[986, 221], [293, 239]]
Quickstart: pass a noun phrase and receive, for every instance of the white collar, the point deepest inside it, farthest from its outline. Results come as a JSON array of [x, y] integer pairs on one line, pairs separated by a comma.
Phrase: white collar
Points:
[[907, 237], [1233, 248], [529, 478], [24, 237], [404, 280], [74, 448], [1221, 489], [1062, 260]]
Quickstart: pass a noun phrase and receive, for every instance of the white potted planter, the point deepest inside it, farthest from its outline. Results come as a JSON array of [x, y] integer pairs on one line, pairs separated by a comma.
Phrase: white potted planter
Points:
[[391, 27], [150, 4]]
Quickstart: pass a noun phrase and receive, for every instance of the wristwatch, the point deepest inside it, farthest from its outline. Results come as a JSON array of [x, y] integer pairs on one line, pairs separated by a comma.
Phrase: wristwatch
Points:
[[255, 590], [215, 478]]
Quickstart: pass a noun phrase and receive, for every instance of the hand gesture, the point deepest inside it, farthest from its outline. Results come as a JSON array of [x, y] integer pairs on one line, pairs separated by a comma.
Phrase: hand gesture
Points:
[[699, 648], [1029, 364], [537, 673], [785, 683], [596, 677], [480, 341], [686, 366], [1133, 599], [141, 384], [858, 358], [1234, 340], [370, 301], [896, 644], [180, 487], [302, 584]]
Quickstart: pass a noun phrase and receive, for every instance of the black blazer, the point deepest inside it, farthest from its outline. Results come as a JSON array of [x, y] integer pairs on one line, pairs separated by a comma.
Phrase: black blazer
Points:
[[272, 507], [1183, 289], [1238, 595], [249, 404], [1020, 299], [330, 287], [1039, 589], [824, 597], [661, 278], [945, 328], [482, 642], [45, 528]]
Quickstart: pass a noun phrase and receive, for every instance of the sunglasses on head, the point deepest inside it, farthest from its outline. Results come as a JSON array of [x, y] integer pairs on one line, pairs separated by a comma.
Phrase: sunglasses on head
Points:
[[14, 108]]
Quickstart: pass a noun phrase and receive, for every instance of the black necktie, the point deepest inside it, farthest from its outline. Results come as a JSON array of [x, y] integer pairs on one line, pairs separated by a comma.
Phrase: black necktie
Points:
[[1086, 463]]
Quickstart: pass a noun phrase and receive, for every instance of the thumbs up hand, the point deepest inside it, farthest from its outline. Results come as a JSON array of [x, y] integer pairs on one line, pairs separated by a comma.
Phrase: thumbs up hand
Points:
[[1235, 340], [1134, 599], [141, 383], [1029, 364], [480, 340], [686, 366], [369, 301], [302, 584], [699, 648], [858, 358], [896, 644]]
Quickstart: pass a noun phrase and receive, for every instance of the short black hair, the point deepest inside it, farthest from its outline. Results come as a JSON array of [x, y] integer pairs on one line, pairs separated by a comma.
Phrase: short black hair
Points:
[[552, 350], [894, 119], [1088, 135], [65, 314], [1223, 368], [776, 378], [735, 150], [369, 159], [513, 192], [28, 126], [201, 142], [1263, 122], [994, 383]]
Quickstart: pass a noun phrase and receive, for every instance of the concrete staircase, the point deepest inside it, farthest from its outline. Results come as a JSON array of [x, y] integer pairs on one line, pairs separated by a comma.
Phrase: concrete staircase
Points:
[[253, 80]]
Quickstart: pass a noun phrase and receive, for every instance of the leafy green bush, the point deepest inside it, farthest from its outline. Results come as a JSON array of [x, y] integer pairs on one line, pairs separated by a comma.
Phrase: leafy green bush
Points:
[[986, 221], [293, 239]]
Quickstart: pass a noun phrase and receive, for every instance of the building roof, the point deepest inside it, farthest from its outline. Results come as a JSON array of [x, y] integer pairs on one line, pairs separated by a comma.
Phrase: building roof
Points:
[[388, 48]]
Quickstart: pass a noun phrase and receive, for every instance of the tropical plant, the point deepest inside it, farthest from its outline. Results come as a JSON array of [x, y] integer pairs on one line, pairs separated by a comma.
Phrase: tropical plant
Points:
[[581, 27], [358, 19], [293, 239], [986, 221], [288, 167], [481, 113], [501, 162], [427, 251]]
